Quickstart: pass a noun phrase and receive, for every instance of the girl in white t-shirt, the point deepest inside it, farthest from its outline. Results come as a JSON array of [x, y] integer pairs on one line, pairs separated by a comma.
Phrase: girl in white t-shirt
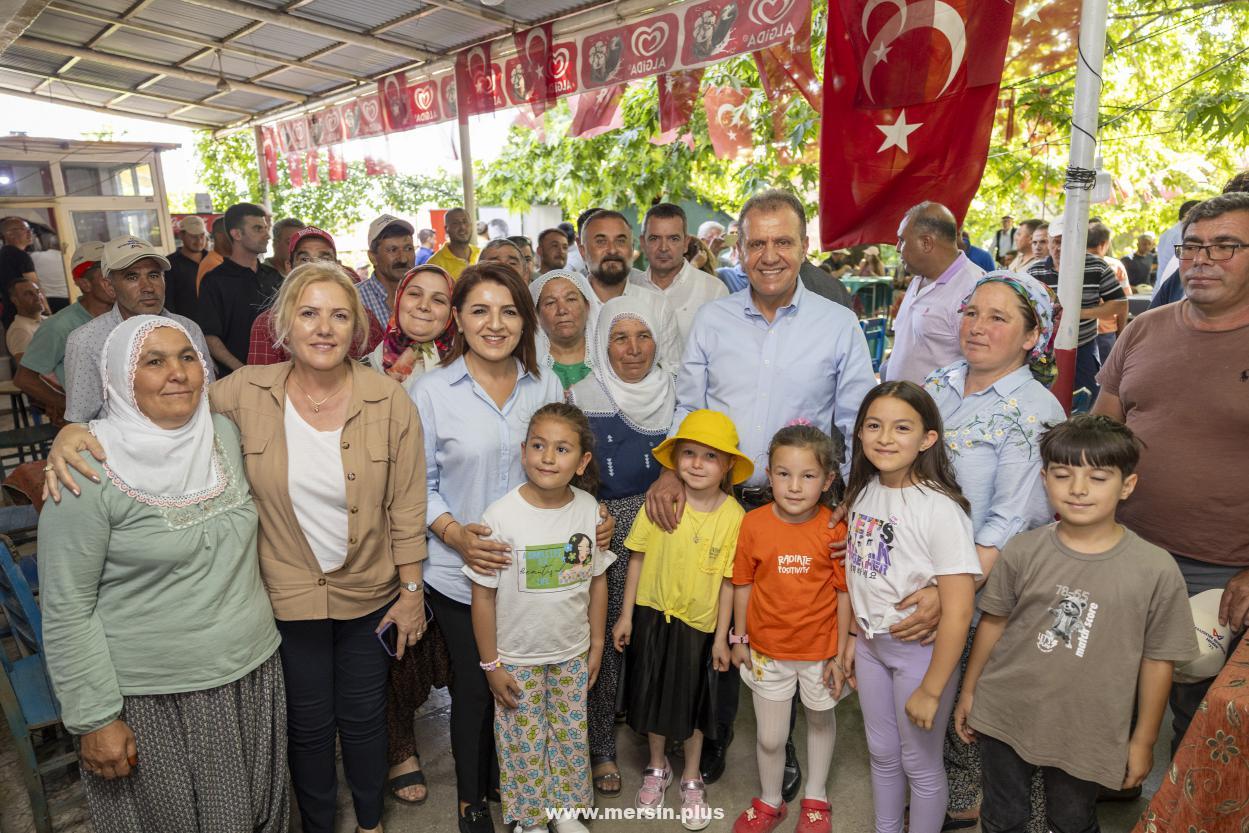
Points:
[[909, 529], [538, 617]]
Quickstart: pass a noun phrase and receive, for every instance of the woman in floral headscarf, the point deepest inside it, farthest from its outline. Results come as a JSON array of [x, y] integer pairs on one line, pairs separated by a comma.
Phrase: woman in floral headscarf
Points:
[[421, 328], [995, 404]]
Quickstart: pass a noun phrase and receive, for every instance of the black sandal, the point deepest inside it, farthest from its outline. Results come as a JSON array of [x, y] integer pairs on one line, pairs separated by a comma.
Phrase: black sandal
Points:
[[408, 779], [603, 782], [952, 823]]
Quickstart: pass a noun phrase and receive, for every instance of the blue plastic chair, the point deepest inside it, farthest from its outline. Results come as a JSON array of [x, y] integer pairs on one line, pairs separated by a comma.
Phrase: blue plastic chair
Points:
[[26, 692], [874, 330]]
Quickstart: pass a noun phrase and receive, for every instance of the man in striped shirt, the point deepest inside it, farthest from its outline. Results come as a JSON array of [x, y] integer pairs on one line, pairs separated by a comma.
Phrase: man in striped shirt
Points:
[[1103, 298]]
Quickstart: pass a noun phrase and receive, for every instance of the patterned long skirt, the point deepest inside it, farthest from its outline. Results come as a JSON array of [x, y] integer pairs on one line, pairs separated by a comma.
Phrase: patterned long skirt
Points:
[[603, 696], [211, 761]]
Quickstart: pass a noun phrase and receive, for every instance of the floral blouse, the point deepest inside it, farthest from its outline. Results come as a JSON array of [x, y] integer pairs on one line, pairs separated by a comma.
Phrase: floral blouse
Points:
[[993, 438]]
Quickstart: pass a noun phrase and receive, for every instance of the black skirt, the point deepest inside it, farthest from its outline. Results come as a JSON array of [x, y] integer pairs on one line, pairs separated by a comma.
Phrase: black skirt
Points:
[[669, 682]]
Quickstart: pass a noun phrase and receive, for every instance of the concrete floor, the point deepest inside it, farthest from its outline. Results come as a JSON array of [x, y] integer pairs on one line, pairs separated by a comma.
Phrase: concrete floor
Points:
[[849, 786]]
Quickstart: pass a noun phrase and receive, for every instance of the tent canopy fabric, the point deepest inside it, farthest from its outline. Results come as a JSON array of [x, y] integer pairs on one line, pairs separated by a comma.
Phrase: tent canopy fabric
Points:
[[219, 64]]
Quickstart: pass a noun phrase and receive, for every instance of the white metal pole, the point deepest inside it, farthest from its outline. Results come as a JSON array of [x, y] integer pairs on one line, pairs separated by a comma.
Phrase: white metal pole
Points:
[[466, 174], [1080, 178]]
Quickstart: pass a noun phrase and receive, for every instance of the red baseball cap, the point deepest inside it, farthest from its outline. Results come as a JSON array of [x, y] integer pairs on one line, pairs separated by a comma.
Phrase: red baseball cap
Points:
[[305, 233]]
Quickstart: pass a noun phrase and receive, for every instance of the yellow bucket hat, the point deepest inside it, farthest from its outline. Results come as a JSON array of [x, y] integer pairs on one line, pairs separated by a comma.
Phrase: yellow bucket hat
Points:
[[712, 429]]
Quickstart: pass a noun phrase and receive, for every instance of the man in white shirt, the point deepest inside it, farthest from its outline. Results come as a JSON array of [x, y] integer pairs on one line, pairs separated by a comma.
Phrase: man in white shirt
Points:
[[926, 329], [607, 244], [685, 288]]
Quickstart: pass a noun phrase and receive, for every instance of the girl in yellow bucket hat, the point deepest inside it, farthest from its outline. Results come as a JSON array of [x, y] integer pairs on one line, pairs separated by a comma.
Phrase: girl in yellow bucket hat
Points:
[[678, 596]]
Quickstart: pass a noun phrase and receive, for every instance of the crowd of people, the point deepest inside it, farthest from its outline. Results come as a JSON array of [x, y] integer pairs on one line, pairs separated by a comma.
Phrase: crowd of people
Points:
[[580, 494]]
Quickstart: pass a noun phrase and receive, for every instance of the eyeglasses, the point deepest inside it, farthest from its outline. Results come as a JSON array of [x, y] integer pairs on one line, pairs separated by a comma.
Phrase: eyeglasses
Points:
[[303, 257], [1214, 252]]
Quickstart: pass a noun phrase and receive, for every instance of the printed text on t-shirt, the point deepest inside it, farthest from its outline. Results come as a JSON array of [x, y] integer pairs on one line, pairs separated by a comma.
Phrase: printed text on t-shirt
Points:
[[869, 546]]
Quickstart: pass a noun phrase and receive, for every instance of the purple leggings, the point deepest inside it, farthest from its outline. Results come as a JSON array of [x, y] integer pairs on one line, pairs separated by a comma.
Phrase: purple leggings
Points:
[[888, 672]]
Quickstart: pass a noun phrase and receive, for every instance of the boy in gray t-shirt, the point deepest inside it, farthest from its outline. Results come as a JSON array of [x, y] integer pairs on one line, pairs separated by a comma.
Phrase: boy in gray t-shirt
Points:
[[1075, 614]]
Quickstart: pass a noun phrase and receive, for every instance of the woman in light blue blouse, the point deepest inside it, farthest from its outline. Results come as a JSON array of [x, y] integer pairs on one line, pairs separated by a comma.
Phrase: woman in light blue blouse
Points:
[[475, 410], [995, 404]]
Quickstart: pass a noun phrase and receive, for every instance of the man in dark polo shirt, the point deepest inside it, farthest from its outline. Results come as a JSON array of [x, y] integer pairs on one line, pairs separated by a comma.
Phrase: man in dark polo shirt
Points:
[[234, 293], [180, 294]]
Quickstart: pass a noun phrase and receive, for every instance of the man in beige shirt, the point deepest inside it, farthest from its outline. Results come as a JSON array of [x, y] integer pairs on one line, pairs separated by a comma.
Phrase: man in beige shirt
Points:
[[27, 300]]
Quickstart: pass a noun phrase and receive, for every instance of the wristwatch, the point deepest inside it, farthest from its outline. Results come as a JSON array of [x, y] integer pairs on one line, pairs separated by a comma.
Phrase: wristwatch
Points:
[[412, 586], [734, 639]]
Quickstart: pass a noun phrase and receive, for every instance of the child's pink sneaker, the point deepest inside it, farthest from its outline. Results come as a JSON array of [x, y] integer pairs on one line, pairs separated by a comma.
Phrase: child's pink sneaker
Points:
[[815, 817], [760, 817], [654, 783], [695, 814]]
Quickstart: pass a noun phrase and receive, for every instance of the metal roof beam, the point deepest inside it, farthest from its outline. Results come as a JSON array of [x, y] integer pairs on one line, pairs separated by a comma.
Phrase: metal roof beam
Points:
[[121, 62], [99, 108], [206, 45], [407, 18], [313, 27], [135, 8]]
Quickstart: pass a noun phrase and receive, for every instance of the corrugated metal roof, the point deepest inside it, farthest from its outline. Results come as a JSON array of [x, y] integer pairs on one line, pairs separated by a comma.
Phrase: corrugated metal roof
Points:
[[444, 31], [145, 47], [105, 74], [64, 28], [23, 57], [359, 61], [282, 59], [192, 19], [286, 43]]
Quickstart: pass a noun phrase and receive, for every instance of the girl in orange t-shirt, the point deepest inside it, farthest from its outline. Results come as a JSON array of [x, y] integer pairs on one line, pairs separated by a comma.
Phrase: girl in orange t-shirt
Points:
[[791, 594]]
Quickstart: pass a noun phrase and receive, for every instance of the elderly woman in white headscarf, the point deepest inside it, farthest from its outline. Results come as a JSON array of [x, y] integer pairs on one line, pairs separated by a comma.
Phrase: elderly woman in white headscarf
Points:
[[566, 340], [630, 401], [158, 633]]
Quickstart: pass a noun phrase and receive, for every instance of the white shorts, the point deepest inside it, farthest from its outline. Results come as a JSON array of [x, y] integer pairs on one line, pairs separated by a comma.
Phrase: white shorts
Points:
[[777, 679]]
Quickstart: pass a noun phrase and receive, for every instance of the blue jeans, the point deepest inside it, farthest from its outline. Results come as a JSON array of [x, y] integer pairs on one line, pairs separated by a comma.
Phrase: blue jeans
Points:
[[1105, 343]]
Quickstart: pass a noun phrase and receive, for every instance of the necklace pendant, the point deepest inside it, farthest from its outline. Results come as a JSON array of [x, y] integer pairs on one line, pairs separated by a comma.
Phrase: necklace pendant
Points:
[[316, 409]]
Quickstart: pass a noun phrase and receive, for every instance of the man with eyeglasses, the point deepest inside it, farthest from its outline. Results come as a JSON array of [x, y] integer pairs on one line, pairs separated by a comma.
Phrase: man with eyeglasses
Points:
[[1179, 378]]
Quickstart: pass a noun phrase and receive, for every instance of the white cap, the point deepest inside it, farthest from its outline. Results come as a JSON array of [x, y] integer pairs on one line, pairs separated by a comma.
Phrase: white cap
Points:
[[1213, 639], [121, 252], [1056, 225], [384, 222], [193, 225], [92, 252]]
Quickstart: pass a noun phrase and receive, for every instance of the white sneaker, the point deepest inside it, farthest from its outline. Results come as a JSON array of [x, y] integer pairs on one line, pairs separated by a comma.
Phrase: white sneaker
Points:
[[569, 826]]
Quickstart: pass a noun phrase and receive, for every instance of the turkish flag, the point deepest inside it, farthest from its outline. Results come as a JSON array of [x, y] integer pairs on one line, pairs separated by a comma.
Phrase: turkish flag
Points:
[[314, 176], [529, 74], [372, 166], [479, 82], [677, 93], [728, 123], [597, 112], [269, 149], [338, 165], [908, 110], [1042, 37], [295, 168], [788, 65]]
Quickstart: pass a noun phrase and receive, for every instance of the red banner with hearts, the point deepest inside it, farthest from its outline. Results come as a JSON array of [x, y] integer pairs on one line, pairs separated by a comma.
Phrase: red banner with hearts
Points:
[[638, 51], [684, 36]]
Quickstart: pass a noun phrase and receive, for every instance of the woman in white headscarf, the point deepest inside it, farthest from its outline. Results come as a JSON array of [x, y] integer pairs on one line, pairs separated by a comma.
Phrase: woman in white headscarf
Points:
[[630, 401], [158, 633], [565, 340]]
